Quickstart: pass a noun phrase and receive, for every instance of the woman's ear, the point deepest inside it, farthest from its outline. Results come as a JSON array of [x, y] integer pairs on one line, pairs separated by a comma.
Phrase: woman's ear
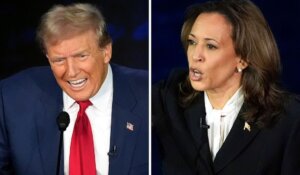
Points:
[[242, 64]]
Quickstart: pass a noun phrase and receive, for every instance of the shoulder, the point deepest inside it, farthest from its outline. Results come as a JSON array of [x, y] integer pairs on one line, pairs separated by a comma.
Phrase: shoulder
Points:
[[130, 73], [135, 77], [292, 106], [165, 94], [169, 86], [29, 79], [289, 119], [30, 73], [135, 80], [171, 83]]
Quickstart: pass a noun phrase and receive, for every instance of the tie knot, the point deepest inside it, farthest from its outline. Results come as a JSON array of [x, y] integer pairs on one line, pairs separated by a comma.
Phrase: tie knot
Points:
[[83, 105]]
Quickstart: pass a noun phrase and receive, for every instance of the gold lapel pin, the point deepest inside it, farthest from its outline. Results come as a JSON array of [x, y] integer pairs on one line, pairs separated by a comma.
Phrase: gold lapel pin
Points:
[[247, 126]]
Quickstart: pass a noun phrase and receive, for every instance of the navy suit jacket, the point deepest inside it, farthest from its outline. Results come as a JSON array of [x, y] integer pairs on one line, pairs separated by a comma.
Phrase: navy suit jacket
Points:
[[184, 147], [29, 136]]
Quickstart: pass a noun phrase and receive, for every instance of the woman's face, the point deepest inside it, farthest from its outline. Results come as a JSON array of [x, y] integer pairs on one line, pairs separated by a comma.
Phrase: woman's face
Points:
[[212, 59]]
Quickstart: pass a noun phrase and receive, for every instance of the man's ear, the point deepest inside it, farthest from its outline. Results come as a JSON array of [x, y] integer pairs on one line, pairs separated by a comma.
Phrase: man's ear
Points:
[[107, 52], [47, 56]]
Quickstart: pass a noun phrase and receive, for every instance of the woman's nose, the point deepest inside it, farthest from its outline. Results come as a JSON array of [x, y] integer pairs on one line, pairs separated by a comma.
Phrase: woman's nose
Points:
[[198, 54]]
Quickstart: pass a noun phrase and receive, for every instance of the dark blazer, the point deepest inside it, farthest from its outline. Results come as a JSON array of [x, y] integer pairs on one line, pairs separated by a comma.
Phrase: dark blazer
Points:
[[184, 148], [29, 136]]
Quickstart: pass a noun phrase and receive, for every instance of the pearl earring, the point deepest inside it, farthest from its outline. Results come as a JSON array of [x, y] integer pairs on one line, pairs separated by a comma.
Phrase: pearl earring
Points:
[[239, 70]]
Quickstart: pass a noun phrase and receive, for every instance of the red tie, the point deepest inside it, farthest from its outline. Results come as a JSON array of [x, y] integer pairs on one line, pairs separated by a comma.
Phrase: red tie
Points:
[[82, 156]]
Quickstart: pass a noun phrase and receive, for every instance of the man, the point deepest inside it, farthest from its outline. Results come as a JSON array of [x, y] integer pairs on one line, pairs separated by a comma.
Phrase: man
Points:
[[109, 102]]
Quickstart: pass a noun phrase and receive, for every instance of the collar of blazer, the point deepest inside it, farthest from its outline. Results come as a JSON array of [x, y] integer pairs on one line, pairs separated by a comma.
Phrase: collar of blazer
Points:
[[124, 112], [126, 123], [193, 114], [236, 141]]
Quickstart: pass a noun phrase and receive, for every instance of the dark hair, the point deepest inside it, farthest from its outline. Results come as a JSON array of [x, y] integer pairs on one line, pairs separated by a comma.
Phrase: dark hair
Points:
[[255, 44]]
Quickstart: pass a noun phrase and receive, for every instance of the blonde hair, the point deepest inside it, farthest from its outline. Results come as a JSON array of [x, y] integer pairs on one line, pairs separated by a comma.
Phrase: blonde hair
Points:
[[62, 22]]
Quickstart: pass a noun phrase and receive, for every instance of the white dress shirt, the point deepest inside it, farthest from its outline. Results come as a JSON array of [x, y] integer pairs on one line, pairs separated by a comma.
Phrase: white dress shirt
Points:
[[221, 120], [99, 115]]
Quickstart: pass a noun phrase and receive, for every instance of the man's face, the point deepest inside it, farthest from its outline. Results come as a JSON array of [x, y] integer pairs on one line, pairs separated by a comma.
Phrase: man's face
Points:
[[79, 64]]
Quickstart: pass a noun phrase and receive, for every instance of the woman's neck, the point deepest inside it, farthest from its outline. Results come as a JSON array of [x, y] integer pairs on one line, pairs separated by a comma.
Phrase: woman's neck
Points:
[[218, 98]]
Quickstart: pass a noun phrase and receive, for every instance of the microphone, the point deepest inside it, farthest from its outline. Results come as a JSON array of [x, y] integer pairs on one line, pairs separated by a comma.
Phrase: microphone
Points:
[[113, 151], [63, 121], [203, 124]]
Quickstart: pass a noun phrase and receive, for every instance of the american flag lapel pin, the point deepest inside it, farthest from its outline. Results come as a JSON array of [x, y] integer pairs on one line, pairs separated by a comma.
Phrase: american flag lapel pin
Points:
[[247, 126], [129, 126]]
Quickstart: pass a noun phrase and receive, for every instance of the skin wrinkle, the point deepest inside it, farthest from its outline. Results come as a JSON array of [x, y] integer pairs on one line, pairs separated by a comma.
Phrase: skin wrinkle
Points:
[[77, 58]]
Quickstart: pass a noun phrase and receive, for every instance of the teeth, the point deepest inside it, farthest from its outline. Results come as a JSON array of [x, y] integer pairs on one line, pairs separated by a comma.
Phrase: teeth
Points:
[[197, 73], [77, 83]]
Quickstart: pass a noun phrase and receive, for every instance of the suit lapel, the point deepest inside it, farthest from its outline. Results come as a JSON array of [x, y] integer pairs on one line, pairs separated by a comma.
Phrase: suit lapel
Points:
[[193, 114], [47, 130], [125, 125], [234, 144]]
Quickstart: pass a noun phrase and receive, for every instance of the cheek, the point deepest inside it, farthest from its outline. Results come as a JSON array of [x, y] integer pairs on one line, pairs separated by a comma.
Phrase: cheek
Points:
[[222, 63], [96, 70], [228, 66], [58, 71], [90, 66], [219, 73], [189, 54], [219, 70]]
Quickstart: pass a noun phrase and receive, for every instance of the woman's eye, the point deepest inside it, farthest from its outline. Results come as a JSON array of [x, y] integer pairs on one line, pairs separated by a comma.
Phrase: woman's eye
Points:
[[211, 46], [191, 42]]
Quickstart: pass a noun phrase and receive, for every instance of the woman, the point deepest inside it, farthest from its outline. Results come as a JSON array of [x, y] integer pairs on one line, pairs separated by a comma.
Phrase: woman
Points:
[[227, 115]]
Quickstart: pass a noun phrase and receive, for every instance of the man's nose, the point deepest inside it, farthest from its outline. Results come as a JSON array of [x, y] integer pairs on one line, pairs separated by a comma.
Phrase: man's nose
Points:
[[72, 67]]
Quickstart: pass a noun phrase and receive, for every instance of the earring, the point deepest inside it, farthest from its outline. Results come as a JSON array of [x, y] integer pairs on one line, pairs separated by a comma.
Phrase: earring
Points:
[[239, 70]]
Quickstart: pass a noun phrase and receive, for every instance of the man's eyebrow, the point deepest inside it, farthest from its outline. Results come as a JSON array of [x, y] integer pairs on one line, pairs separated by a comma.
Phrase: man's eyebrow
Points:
[[79, 53]]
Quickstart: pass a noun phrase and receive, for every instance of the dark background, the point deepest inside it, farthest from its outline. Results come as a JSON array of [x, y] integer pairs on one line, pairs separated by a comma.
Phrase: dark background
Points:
[[127, 22], [167, 51]]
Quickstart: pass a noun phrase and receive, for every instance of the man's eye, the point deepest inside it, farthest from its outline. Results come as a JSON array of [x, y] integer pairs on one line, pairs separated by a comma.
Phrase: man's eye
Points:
[[82, 56], [58, 60]]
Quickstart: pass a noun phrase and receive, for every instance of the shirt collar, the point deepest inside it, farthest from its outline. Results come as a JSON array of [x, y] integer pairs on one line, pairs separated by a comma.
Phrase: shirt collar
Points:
[[235, 102]]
